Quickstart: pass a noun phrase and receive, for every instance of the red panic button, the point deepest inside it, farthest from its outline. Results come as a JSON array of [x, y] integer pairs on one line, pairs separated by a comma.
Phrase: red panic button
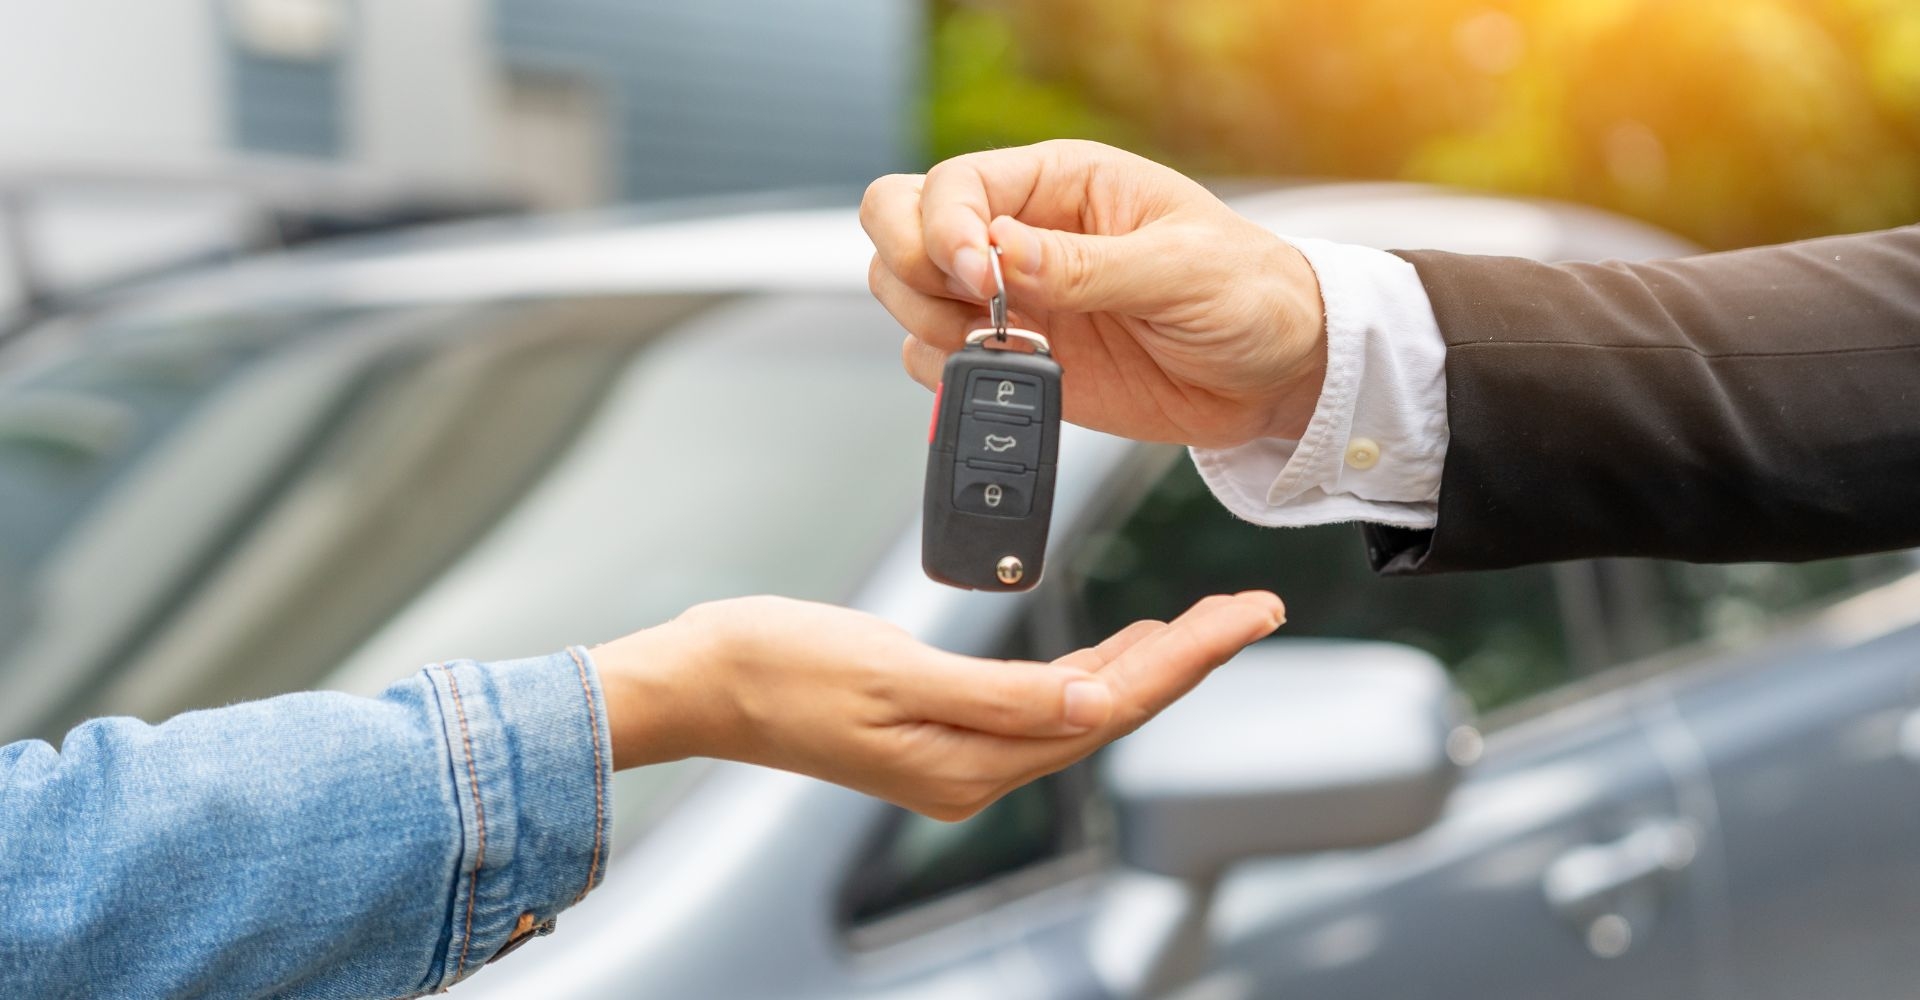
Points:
[[933, 424]]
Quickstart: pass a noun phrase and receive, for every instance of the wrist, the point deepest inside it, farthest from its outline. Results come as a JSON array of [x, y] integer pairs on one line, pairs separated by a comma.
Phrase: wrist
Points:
[[666, 694], [1302, 336]]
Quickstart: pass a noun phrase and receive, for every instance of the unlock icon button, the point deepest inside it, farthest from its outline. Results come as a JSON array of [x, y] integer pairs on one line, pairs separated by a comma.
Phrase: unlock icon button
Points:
[[1007, 392]]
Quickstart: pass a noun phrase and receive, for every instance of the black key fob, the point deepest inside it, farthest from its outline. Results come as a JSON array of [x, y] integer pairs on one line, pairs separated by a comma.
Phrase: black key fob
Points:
[[990, 464]]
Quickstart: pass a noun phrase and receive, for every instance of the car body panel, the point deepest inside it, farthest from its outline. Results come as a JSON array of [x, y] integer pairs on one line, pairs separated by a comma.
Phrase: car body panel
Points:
[[1462, 903], [1812, 749]]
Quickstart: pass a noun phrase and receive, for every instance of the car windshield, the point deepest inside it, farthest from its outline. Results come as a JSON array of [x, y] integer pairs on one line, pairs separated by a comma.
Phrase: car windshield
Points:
[[226, 507]]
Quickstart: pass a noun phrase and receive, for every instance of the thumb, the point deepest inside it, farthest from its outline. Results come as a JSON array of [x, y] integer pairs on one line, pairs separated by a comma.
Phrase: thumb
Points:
[[1059, 271]]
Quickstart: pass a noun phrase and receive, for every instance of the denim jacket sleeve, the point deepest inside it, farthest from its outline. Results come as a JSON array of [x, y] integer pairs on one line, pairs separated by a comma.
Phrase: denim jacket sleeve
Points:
[[311, 845]]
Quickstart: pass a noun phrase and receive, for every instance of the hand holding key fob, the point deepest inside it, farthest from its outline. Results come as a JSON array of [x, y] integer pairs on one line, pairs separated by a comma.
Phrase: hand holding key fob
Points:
[[991, 458]]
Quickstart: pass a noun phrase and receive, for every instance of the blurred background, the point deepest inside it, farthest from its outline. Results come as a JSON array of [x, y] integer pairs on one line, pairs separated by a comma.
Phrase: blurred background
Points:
[[139, 133], [341, 336], [136, 134], [1731, 122]]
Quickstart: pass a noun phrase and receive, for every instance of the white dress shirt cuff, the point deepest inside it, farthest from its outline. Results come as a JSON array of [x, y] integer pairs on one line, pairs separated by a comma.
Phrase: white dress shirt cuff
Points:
[[1377, 441]]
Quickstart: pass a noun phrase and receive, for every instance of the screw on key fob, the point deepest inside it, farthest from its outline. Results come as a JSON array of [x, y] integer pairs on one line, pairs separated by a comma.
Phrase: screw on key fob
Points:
[[991, 460]]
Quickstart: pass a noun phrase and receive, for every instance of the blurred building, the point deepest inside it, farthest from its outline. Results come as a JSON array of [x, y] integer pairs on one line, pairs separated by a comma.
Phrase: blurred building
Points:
[[688, 98], [138, 131]]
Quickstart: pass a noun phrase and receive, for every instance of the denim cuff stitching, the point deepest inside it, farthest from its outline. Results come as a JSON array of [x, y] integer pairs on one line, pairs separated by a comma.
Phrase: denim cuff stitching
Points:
[[480, 820], [599, 791]]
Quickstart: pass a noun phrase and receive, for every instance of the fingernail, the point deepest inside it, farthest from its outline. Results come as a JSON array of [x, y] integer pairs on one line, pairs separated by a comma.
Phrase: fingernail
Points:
[[969, 265], [1278, 613], [1020, 246], [1088, 704]]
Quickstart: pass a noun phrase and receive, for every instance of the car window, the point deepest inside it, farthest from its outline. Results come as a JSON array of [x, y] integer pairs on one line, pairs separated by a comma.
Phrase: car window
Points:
[[431, 432], [1504, 635], [1501, 634], [763, 446], [1666, 605], [76, 421], [916, 860], [122, 463]]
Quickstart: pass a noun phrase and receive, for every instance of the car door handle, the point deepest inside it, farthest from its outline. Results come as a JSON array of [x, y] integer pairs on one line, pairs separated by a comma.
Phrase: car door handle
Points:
[[1588, 882]]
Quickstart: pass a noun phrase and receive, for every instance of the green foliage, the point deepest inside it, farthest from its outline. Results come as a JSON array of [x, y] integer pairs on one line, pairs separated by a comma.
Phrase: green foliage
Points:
[[979, 98], [1733, 122]]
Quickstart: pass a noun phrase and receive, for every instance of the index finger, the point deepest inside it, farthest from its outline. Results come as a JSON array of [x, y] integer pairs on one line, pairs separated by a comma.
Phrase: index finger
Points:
[[1156, 671], [890, 213], [1042, 185], [1151, 666]]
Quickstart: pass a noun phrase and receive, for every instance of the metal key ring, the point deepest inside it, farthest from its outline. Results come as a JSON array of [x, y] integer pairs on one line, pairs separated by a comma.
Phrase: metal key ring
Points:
[[1039, 342], [997, 306]]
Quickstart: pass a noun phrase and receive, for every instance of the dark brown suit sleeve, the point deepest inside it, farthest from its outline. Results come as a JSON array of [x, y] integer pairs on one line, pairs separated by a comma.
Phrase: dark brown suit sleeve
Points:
[[1756, 405]]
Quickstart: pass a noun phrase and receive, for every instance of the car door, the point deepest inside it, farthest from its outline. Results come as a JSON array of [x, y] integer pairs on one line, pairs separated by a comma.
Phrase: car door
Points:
[[1806, 741], [1563, 866]]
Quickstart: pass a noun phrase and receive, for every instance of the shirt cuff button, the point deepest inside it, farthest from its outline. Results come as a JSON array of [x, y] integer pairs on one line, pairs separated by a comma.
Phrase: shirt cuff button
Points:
[[1362, 453]]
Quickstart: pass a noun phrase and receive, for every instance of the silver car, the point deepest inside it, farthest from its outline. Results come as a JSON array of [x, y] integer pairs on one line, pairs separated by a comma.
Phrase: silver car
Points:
[[326, 468]]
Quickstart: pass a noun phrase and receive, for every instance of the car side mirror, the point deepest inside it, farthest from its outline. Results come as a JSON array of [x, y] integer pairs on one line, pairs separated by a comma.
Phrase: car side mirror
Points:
[[1294, 746]]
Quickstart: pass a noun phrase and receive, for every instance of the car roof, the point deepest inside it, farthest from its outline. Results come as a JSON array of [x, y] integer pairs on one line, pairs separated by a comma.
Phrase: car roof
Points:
[[775, 244]]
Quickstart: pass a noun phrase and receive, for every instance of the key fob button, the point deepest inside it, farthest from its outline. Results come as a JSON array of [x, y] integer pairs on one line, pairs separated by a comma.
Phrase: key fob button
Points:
[[999, 441], [1019, 394], [991, 491]]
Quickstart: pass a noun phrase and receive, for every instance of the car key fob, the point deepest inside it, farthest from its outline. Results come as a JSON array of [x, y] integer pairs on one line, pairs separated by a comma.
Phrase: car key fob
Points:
[[990, 465], [990, 459]]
